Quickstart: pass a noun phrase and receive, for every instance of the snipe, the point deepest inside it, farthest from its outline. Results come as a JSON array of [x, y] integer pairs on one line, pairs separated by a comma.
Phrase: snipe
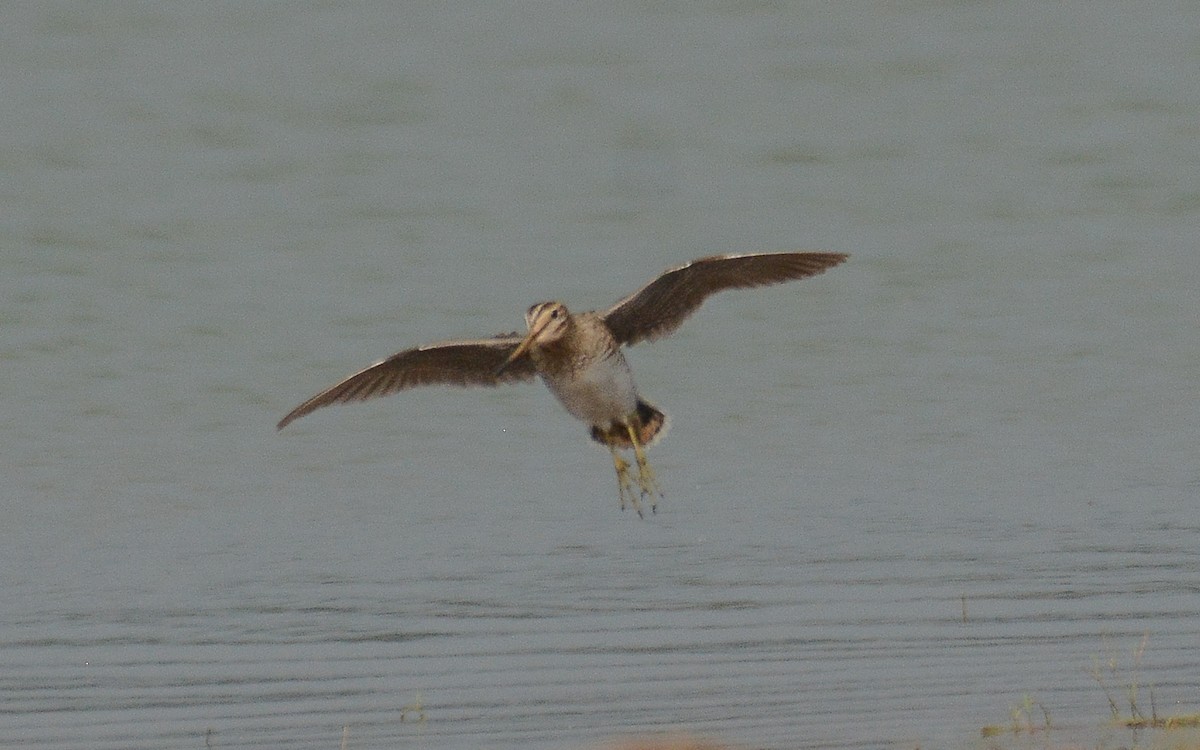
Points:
[[578, 356]]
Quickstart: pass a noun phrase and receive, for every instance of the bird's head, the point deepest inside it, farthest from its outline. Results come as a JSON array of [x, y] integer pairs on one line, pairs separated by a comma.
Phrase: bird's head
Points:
[[547, 322]]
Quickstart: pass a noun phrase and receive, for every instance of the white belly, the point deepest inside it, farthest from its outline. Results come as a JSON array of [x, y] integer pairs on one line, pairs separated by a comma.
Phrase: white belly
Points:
[[600, 394]]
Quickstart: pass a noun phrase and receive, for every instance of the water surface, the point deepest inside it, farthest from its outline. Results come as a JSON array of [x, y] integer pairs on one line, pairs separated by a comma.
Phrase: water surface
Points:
[[214, 210]]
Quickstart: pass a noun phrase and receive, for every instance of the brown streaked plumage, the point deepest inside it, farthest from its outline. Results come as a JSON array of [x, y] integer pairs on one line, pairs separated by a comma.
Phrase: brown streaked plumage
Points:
[[578, 356]]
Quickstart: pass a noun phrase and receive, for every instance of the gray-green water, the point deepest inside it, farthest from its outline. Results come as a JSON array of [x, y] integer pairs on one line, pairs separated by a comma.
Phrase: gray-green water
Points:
[[212, 210]]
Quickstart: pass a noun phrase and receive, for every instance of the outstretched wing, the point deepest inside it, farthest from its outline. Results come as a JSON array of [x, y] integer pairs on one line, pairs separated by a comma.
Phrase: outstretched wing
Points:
[[448, 363], [662, 305]]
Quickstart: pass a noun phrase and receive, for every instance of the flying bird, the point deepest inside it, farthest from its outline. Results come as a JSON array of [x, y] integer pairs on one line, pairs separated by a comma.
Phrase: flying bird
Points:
[[578, 356]]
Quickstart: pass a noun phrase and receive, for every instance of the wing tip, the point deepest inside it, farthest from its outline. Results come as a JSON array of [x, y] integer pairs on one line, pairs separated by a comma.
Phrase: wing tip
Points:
[[832, 260], [303, 410]]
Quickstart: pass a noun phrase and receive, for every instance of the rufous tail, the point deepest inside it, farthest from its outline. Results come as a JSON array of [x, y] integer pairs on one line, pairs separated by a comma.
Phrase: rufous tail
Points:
[[648, 423]]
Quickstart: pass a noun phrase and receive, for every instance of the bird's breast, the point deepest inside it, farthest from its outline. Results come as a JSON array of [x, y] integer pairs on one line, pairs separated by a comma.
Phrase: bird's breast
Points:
[[597, 390]]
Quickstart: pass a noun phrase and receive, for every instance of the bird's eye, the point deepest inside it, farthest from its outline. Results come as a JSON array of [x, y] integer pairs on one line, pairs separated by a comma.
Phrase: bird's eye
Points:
[[554, 313]]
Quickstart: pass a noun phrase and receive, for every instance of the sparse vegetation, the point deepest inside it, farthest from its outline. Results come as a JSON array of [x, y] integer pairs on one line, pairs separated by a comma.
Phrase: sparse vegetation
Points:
[[1108, 670], [1022, 719], [1114, 679]]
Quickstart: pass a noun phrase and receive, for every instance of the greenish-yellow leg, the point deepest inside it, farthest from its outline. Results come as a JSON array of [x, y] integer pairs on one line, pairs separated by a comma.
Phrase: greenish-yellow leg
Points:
[[646, 480], [625, 482]]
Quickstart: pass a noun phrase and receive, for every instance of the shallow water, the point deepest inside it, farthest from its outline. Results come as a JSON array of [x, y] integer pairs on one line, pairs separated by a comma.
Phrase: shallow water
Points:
[[214, 210]]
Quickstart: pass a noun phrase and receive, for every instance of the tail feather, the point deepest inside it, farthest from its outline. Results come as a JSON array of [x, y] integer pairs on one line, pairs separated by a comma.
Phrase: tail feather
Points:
[[649, 424]]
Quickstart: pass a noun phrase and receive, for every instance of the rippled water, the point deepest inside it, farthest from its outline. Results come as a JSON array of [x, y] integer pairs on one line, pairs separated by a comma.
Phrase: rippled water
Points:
[[901, 497]]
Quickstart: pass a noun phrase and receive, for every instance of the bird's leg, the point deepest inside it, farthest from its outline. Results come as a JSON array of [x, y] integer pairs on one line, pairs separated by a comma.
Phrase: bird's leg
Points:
[[624, 481], [646, 480]]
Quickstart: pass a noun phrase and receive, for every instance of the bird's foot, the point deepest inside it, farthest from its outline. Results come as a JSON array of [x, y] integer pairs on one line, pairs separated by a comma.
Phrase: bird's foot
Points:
[[648, 483], [625, 484]]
